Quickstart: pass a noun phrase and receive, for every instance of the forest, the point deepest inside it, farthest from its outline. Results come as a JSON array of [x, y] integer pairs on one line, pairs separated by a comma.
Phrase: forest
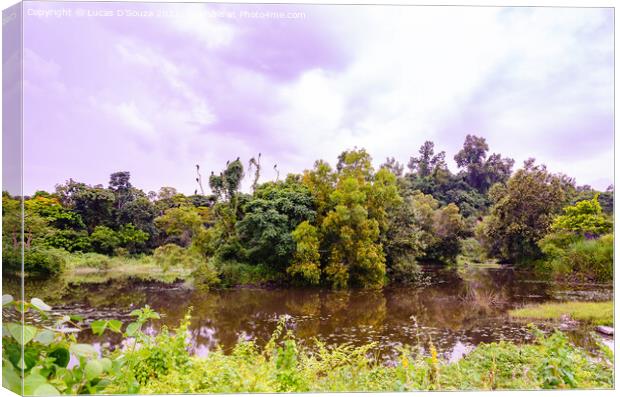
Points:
[[344, 248], [341, 226]]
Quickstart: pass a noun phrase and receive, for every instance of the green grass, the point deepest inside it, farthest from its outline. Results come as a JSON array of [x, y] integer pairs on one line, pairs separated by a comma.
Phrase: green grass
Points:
[[96, 268], [600, 313], [286, 366]]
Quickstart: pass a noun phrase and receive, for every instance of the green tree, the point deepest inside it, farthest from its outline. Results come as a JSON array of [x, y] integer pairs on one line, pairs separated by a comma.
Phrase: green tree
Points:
[[361, 201], [105, 240], [448, 230], [181, 224], [321, 182], [482, 172], [94, 204], [585, 218], [306, 265], [522, 213], [269, 218]]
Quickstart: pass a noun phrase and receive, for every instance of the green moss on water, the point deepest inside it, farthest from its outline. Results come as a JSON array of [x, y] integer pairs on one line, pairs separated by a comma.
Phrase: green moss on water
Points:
[[599, 313]]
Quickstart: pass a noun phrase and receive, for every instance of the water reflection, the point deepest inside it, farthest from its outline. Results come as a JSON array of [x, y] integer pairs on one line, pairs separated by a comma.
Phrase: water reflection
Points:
[[457, 310]]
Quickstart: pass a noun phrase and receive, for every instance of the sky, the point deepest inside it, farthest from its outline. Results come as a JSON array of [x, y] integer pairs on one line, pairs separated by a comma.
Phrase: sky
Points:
[[154, 89]]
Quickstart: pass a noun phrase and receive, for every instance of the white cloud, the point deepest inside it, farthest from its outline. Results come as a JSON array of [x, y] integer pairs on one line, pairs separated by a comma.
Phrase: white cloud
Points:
[[205, 24], [522, 78], [132, 117]]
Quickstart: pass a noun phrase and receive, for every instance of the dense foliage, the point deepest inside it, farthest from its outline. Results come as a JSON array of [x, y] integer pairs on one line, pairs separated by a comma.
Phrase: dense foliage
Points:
[[345, 225]]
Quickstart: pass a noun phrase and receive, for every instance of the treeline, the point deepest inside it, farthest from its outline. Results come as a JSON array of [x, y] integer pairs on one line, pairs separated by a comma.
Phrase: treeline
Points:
[[346, 225]]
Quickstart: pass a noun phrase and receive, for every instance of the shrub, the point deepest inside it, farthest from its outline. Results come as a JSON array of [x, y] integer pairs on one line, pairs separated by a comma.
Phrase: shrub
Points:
[[567, 253], [205, 276], [232, 273], [593, 258], [405, 269], [472, 250], [171, 255], [44, 261], [91, 260]]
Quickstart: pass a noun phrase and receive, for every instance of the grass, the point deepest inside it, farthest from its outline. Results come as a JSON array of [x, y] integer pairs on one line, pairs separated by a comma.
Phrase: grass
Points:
[[599, 313], [285, 366], [96, 268]]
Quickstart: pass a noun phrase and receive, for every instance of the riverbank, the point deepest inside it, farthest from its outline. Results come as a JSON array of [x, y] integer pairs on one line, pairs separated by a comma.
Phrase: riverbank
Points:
[[597, 313], [552, 362]]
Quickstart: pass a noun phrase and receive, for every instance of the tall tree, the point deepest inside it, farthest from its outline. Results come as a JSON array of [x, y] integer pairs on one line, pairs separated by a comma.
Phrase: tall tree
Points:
[[482, 172], [522, 212]]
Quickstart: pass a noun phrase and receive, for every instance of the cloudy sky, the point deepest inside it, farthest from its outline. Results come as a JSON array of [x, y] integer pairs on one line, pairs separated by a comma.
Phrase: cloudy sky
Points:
[[154, 89]]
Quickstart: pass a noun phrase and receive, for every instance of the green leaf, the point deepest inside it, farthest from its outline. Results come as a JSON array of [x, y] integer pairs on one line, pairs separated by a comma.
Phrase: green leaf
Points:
[[61, 356], [31, 356], [83, 350], [14, 353], [106, 364], [99, 327], [32, 382], [6, 299], [22, 334], [11, 379], [44, 337], [132, 329], [39, 304], [76, 318], [46, 390], [93, 369], [115, 325]]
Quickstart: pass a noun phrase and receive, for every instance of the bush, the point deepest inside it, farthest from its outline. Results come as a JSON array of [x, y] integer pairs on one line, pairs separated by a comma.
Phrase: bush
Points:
[[69, 240], [171, 255], [405, 269], [567, 253], [593, 258], [44, 261], [91, 260], [205, 276], [472, 250], [234, 273]]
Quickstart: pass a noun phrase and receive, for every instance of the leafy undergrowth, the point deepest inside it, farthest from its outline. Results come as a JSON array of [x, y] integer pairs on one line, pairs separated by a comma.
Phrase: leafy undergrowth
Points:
[[599, 313], [284, 365], [161, 363]]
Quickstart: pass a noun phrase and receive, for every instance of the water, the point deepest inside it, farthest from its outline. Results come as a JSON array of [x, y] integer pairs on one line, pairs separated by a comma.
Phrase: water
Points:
[[457, 310]]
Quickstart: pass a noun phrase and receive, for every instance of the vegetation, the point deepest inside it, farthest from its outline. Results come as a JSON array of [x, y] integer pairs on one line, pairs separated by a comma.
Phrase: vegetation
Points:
[[345, 226], [600, 313], [161, 363]]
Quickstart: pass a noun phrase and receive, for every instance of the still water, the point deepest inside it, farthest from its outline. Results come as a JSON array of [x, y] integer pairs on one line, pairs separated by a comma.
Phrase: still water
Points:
[[455, 309]]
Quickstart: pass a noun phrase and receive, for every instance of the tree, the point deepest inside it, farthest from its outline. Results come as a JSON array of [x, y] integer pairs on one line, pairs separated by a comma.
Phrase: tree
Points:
[[321, 182], [269, 218], [584, 218], [94, 204], [121, 187], [481, 172], [105, 240], [132, 238], [448, 229], [141, 213], [404, 242], [428, 163], [182, 224], [306, 265], [355, 256], [361, 201], [393, 166], [227, 183], [522, 213]]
